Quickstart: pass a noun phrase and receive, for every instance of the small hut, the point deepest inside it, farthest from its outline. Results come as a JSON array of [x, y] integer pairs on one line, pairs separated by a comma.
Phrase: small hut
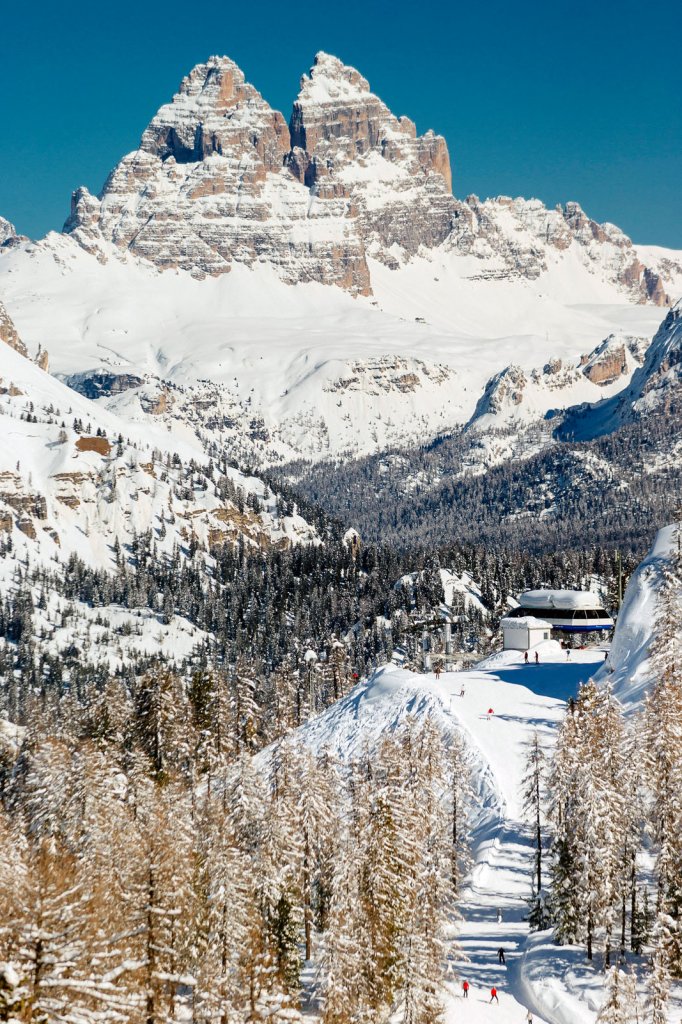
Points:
[[520, 634]]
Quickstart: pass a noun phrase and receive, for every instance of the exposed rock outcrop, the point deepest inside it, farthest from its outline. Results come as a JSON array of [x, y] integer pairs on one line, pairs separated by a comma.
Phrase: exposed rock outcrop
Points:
[[517, 237], [7, 231], [346, 142], [9, 236], [658, 383], [9, 333], [97, 384], [614, 358], [220, 179], [208, 187]]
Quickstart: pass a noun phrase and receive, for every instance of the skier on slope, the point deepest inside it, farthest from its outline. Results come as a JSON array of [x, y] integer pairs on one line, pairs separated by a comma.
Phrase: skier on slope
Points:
[[465, 989], [500, 956], [493, 995]]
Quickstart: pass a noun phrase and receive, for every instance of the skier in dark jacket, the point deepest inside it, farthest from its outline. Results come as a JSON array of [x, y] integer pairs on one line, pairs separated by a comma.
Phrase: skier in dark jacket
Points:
[[500, 955]]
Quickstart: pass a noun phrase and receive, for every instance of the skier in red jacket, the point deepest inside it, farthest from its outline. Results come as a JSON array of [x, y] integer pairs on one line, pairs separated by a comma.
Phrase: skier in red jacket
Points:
[[493, 995], [465, 987]]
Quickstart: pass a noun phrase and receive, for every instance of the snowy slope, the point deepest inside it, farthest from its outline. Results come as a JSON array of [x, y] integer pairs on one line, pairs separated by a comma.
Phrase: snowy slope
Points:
[[304, 369], [627, 668], [70, 491], [523, 698], [497, 706], [222, 256]]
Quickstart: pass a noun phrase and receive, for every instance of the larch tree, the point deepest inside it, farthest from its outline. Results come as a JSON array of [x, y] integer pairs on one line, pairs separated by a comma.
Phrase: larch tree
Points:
[[663, 745], [621, 1005]]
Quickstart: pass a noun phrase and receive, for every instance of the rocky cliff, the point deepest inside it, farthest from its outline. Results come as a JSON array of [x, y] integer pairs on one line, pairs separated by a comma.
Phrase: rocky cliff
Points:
[[209, 186], [658, 384], [220, 178], [346, 142], [522, 238], [8, 234], [9, 334]]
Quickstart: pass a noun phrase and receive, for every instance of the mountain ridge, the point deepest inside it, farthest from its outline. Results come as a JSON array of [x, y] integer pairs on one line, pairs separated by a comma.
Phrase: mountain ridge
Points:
[[342, 180]]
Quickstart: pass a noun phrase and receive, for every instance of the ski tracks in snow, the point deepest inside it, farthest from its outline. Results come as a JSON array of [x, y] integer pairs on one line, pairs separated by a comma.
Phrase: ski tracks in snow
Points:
[[494, 898]]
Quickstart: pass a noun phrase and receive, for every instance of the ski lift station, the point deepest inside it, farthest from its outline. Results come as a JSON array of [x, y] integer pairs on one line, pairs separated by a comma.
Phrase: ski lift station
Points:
[[559, 611]]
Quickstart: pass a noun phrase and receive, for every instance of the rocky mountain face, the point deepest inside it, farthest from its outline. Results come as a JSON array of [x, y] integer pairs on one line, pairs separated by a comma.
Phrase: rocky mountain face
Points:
[[220, 178], [208, 186], [79, 479], [8, 233], [655, 387], [216, 180], [522, 238], [513, 394], [346, 142], [10, 336], [659, 382], [9, 333]]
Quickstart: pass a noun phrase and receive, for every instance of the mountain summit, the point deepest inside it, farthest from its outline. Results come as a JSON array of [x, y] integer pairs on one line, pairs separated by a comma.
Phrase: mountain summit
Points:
[[217, 180], [220, 178]]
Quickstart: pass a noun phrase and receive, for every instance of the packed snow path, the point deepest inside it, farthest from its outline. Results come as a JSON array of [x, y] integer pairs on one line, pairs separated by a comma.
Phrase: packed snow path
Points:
[[523, 698]]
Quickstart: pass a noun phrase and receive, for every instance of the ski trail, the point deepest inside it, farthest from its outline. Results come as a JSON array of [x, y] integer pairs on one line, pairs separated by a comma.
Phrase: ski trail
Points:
[[523, 699], [495, 886]]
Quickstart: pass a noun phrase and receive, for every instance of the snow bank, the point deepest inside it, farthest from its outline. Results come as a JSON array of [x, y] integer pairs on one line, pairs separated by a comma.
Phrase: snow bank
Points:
[[628, 664]]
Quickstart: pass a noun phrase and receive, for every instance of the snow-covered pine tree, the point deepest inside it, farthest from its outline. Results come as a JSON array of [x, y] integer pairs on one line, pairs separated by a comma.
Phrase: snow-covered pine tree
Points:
[[388, 851], [429, 895], [160, 897], [49, 933], [163, 722], [663, 744], [564, 782], [534, 797], [461, 794], [659, 979], [588, 804], [346, 967], [222, 884], [621, 1005]]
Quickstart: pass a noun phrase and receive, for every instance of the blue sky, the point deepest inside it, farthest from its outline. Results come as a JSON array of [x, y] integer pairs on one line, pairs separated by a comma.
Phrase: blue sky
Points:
[[557, 100]]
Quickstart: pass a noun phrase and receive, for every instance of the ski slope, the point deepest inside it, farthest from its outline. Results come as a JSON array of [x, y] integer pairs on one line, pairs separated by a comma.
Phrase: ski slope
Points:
[[523, 698], [557, 984]]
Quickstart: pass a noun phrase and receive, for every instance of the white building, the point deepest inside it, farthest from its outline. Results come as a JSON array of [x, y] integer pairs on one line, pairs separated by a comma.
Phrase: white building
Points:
[[520, 634]]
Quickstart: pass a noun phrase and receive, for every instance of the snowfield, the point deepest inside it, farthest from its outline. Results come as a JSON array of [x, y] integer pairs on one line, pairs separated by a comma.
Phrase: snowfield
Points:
[[327, 374]]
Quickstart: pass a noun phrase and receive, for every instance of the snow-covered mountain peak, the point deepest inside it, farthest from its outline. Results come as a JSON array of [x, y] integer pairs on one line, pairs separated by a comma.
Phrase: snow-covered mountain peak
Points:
[[7, 231], [345, 141], [209, 187], [330, 80], [216, 111]]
